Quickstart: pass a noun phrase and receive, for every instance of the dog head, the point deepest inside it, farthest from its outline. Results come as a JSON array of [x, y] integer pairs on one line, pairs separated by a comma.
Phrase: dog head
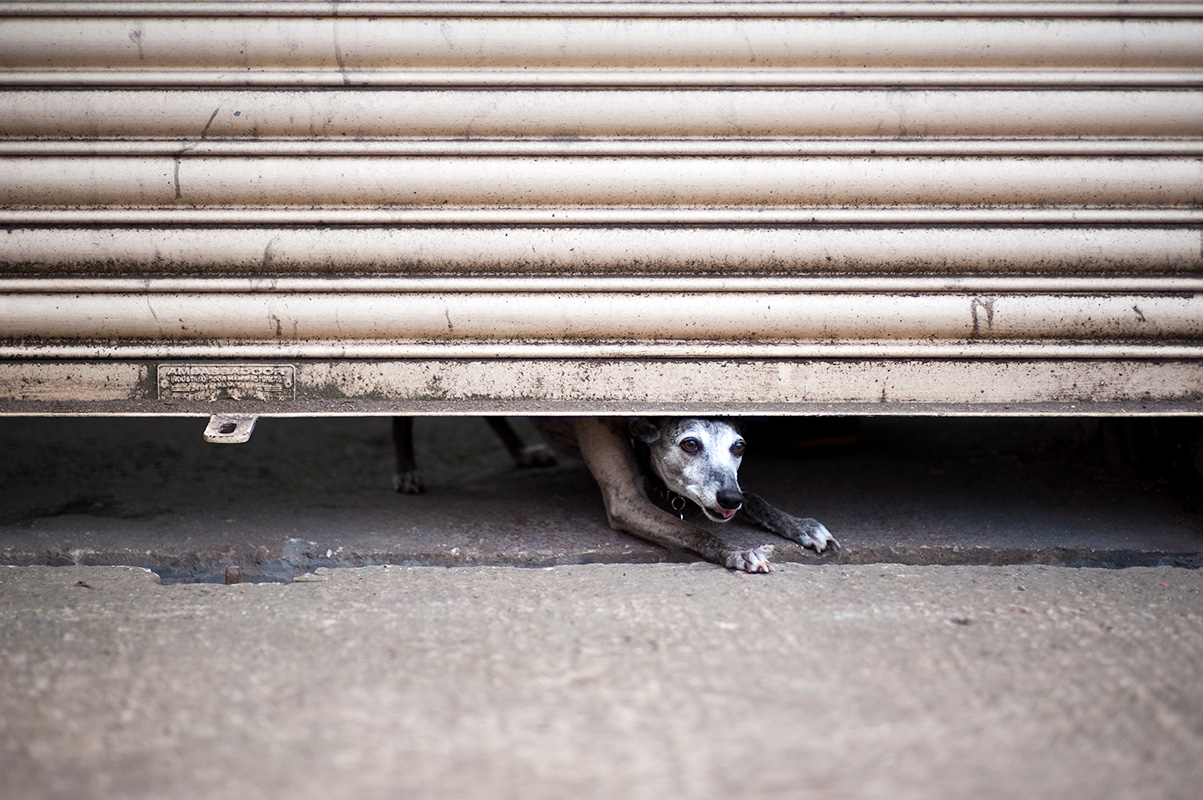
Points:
[[696, 458]]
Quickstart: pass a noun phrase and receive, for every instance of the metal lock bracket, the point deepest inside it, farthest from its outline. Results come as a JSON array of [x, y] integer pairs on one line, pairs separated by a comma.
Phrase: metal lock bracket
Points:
[[226, 429]]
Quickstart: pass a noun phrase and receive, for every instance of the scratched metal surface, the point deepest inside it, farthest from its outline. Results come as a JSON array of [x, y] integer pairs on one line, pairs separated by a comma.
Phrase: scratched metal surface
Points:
[[922, 207]]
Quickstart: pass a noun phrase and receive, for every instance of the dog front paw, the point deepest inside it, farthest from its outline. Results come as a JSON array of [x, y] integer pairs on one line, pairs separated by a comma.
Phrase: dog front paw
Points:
[[755, 560], [811, 533]]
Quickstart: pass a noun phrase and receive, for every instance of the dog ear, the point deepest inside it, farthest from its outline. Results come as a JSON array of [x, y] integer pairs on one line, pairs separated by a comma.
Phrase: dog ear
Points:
[[644, 429]]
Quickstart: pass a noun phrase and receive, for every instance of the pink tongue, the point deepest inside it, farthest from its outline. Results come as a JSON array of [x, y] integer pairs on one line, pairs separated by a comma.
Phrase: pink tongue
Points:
[[724, 513]]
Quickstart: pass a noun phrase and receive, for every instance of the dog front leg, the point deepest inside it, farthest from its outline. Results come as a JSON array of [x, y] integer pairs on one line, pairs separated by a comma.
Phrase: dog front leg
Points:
[[609, 456], [805, 531]]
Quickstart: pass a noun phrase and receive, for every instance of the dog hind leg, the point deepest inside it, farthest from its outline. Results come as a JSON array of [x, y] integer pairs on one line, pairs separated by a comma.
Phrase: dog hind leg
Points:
[[608, 454], [405, 478], [524, 455]]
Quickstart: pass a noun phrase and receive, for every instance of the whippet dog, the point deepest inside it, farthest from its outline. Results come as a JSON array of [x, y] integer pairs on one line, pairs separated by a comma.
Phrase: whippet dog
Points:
[[690, 460], [679, 461]]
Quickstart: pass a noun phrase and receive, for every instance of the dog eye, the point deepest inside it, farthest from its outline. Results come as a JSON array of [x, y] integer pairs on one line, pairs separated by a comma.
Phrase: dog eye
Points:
[[691, 445], [737, 449]]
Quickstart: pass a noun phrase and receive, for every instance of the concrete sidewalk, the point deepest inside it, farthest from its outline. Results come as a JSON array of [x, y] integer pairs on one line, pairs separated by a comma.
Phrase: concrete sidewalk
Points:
[[604, 681]]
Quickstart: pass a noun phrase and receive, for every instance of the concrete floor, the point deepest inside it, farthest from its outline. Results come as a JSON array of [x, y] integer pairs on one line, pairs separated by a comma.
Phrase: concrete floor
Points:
[[604, 681]]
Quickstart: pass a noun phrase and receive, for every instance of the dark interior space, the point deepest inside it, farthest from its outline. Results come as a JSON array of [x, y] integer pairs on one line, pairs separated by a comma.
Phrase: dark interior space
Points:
[[309, 492]]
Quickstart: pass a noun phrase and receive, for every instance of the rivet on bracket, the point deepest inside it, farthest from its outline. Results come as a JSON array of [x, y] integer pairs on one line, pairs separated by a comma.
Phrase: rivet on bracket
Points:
[[229, 430]]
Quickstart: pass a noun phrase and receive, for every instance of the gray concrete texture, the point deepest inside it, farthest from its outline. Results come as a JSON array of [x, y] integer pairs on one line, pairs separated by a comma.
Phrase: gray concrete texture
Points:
[[305, 493], [556, 658], [604, 681]]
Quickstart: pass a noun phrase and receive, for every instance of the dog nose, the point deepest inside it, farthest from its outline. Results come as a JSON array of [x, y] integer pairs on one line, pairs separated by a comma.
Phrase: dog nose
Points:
[[729, 499]]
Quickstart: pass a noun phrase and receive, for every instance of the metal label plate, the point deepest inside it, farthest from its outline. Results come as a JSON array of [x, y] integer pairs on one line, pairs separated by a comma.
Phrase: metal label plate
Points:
[[211, 382]]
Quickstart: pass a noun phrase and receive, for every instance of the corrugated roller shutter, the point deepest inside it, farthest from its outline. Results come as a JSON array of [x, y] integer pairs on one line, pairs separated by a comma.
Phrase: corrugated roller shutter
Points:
[[809, 207]]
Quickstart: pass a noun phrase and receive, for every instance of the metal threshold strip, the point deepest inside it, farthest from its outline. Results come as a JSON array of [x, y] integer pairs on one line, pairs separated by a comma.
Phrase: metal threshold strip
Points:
[[870, 386]]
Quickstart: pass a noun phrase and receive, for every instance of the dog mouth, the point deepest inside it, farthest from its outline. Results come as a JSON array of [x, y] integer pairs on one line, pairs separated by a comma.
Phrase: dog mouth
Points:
[[720, 514]]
